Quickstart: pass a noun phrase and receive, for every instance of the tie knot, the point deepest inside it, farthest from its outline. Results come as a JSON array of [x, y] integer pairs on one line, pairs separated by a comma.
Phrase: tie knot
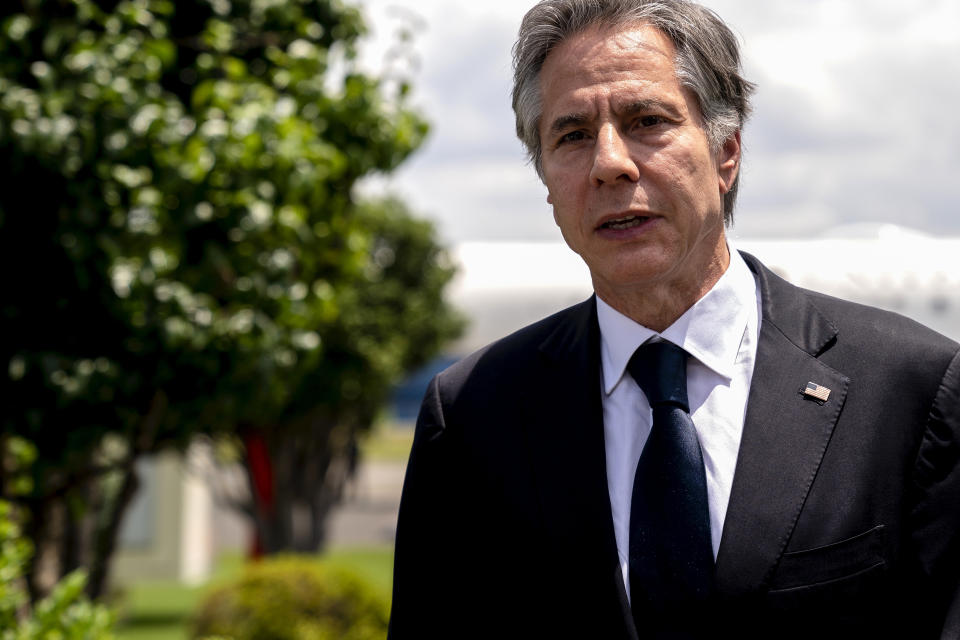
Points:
[[660, 369]]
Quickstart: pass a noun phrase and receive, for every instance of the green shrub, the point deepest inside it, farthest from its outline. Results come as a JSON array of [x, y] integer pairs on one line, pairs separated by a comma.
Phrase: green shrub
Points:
[[66, 613], [293, 598]]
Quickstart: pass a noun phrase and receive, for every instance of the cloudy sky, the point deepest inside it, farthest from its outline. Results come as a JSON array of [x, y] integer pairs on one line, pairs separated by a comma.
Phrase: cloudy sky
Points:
[[855, 116]]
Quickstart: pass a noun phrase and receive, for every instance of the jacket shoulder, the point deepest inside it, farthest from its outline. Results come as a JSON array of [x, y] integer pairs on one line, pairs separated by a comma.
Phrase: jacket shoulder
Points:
[[881, 330], [862, 332]]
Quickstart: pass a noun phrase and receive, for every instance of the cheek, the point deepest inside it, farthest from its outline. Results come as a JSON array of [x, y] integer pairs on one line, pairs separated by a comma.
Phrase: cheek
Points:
[[691, 157], [700, 180]]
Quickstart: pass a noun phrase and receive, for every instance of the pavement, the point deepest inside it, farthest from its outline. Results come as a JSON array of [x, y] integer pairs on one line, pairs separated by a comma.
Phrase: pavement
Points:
[[368, 514]]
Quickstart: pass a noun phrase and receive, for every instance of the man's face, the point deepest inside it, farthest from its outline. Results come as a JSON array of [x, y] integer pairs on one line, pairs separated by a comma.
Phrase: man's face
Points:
[[635, 188]]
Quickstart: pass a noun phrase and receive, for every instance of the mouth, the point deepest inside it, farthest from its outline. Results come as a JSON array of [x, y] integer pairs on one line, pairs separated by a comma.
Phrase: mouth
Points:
[[625, 222]]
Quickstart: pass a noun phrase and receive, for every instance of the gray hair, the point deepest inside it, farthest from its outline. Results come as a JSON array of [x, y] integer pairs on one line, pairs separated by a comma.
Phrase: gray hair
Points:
[[707, 62]]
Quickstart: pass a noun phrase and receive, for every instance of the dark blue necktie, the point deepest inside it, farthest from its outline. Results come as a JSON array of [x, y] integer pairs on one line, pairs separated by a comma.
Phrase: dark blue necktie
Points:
[[671, 558]]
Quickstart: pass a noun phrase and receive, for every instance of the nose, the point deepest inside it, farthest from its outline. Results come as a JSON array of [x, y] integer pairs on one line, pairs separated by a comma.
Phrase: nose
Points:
[[611, 158]]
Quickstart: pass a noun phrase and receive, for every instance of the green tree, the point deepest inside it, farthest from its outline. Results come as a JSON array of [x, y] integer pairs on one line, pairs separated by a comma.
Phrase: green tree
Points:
[[184, 254], [390, 321]]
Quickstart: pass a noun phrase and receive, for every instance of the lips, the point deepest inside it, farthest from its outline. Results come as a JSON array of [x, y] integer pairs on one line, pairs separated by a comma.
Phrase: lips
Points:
[[625, 222]]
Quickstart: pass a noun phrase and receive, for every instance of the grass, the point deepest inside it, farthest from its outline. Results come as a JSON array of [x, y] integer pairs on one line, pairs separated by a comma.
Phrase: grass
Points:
[[162, 610], [156, 611], [387, 442]]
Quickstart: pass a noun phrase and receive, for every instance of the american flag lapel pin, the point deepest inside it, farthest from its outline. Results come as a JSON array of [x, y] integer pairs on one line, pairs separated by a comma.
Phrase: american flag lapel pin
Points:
[[816, 391]]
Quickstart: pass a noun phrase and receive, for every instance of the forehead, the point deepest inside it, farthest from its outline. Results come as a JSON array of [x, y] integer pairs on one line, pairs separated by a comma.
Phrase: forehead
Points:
[[632, 38], [608, 61]]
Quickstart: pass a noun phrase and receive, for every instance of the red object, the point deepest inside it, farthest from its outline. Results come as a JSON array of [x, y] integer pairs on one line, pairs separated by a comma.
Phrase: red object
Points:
[[261, 474]]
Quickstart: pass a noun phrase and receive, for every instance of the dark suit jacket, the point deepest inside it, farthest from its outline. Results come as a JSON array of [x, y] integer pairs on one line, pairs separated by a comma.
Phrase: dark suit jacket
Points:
[[844, 518]]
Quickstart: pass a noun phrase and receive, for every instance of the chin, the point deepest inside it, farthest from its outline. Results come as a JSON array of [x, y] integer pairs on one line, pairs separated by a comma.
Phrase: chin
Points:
[[640, 266], [631, 276]]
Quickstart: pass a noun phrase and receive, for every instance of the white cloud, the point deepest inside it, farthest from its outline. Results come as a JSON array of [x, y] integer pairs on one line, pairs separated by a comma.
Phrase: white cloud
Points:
[[854, 117], [483, 199]]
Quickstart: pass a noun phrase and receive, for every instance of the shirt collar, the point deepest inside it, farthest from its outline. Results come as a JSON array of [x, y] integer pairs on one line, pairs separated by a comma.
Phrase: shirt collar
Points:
[[711, 330]]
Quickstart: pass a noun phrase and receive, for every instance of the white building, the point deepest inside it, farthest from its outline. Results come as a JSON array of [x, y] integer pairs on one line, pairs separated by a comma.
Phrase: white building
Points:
[[504, 286]]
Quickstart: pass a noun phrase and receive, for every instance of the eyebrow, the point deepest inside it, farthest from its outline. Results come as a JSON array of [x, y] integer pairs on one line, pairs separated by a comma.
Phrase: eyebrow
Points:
[[651, 104], [562, 123]]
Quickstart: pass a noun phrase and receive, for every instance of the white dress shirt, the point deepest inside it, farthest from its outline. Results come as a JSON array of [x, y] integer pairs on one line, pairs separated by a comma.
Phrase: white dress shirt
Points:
[[720, 332]]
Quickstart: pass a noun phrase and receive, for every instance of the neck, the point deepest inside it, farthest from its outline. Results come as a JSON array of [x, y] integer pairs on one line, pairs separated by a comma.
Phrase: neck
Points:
[[658, 305]]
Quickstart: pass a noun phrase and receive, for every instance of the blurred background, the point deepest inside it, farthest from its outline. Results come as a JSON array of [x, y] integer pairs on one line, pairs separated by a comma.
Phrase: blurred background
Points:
[[238, 237], [852, 120]]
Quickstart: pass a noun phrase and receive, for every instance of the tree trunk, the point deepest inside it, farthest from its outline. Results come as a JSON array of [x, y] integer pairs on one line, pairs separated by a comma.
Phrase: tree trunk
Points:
[[46, 528], [260, 476], [295, 482], [105, 540], [83, 507], [328, 495], [115, 506], [71, 547]]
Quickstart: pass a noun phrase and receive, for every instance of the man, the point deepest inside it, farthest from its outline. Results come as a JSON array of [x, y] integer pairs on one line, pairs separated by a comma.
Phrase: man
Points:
[[701, 449]]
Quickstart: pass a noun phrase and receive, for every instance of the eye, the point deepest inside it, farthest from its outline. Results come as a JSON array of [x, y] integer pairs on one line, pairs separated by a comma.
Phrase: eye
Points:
[[650, 121], [573, 136]]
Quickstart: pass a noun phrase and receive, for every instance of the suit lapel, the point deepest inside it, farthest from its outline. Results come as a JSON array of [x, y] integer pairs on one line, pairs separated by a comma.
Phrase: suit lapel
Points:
[[565, 437], [784, 437]]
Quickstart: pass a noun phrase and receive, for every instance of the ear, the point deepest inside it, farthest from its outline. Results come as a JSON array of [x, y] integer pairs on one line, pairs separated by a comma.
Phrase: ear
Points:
[[550, 202], [728, 162]]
